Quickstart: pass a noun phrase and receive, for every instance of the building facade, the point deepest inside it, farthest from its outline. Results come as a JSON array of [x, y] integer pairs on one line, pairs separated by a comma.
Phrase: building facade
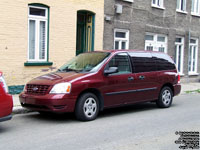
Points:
[[38, 36], [170, 26]]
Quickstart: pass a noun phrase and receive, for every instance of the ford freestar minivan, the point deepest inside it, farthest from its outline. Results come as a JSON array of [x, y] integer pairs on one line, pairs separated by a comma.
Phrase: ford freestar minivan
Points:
[[96, 80]]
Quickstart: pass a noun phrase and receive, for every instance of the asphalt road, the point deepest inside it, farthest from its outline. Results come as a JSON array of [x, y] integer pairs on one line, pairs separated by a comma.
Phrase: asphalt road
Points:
[[137, 127]]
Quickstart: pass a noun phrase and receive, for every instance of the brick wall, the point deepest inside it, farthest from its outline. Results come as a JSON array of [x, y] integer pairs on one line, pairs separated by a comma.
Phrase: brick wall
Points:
[[62, 36], [140, 17]]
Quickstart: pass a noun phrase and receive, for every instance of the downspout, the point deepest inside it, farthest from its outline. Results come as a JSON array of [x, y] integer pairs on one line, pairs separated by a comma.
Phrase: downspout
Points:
[[189, 36]]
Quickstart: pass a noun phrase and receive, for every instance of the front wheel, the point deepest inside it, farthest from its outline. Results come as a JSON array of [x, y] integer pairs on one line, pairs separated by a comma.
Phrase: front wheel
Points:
[[87, 107], [165, 97]]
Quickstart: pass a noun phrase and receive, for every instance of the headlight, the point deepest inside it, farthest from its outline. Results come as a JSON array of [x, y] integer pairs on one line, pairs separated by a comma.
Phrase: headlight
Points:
[[61, 88]]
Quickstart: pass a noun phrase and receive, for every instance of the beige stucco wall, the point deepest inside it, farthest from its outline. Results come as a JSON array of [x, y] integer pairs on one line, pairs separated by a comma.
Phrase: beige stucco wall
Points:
[[62, 36]]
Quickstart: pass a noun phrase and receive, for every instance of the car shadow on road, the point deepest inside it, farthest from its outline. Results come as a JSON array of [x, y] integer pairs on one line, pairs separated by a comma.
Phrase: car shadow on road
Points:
[[49, 117], [70, 117], [128, 109], [4, 129]]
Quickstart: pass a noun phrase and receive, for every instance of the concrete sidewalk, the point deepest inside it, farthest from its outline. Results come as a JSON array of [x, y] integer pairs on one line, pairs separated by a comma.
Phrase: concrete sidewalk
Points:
[[17, 109]]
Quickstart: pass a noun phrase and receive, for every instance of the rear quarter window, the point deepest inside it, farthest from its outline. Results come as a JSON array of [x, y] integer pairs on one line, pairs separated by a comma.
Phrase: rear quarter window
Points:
[[163, 61]]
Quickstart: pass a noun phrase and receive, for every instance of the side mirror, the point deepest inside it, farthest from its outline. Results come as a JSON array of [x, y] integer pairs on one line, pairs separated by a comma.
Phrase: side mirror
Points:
[[111, 70]]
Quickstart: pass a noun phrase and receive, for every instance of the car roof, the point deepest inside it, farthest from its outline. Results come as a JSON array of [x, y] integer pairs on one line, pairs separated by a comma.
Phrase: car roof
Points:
[[131, 50]]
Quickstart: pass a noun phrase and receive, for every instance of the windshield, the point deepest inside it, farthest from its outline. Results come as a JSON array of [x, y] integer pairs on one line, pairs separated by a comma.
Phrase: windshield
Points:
[[86, 62]]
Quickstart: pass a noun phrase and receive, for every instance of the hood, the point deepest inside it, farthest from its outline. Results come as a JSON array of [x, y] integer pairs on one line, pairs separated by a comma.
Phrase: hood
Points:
[[56, 77]]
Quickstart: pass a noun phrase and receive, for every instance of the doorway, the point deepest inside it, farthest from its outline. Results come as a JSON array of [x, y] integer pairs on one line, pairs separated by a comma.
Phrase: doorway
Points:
[[85, 32]]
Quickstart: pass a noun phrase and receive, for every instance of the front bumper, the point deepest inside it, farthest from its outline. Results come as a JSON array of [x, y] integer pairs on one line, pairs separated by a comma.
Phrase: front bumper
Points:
[[6, 106], [49, 102]]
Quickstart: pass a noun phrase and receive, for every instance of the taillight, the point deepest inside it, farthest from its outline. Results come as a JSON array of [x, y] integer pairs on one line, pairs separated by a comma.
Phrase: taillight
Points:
[[179, 78], [3, 84]]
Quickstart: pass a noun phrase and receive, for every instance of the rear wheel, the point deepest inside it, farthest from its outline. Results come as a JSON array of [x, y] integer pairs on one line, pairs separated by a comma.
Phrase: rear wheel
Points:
[[165, 97], [87, 107]]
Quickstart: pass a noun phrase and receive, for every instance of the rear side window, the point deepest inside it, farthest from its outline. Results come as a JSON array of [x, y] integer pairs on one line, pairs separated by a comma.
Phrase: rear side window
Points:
[[163, 61], [142, 62], [121, 61]]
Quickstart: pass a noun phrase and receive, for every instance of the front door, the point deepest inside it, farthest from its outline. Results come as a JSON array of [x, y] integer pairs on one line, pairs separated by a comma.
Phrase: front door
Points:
[[117, 89], [85, 32]]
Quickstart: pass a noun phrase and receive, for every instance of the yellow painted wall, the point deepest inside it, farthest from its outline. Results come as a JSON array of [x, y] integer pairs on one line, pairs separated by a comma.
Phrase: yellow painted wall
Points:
[[62, 35]]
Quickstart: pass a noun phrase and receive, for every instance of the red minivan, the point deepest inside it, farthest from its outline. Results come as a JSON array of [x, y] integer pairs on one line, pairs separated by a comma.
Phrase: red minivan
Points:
[[6, 102], [93, 81]]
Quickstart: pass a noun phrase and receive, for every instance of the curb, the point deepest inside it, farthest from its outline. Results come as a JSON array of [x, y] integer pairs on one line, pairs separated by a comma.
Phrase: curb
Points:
[[20, 110]]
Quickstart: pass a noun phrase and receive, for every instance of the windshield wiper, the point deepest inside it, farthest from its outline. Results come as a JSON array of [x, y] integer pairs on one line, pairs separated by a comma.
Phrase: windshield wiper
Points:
[[68, 70]]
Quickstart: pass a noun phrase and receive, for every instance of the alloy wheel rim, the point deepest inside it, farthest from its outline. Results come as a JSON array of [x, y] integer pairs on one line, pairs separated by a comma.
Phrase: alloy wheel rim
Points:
[[166, 97], [90, 107]]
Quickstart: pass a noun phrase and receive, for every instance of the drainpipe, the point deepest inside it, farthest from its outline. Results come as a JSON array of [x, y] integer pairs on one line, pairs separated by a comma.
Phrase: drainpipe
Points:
[[189, 36]]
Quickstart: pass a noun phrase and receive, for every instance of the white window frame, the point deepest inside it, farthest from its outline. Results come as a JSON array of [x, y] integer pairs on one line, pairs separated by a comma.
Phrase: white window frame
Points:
[[178, 6], [155, 43], [177, 45], [37, 20], [196, 6], [191, 72], [120, 40], [158, 4]]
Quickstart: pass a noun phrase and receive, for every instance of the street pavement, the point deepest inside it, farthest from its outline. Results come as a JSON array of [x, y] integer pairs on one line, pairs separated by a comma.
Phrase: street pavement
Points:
[[17, 109], [137, 127]]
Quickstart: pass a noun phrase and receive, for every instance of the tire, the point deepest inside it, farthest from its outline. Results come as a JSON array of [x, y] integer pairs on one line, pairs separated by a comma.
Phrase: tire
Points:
[[87, 107], [165, 97]]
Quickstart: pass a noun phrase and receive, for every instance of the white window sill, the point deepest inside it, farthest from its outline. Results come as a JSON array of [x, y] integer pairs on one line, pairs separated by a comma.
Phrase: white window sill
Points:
[[194, 14], [181, 74], [193, 74], [130, 1], [158, 7], [181, 11]]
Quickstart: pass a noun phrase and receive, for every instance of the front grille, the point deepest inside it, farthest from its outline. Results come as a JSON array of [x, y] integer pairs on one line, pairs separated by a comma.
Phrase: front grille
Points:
[[37, 89]]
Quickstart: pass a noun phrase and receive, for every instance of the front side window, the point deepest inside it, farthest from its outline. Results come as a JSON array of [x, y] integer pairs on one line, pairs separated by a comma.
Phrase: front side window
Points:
[[181, 5], [156, 42], [121, 39], [157, 3], [179, 52], [193, 52], [121, 61], [37, 39], [195, 7]]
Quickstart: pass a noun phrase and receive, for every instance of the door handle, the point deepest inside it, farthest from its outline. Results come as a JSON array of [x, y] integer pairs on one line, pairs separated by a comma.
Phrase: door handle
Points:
[[130, 78], [141, 77]]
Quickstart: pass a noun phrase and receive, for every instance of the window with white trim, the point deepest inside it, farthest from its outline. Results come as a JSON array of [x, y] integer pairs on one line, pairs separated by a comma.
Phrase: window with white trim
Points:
[[193, 53], [121, 39], [37, 34], [195, 10], [156, 42], [179, 53], [181, 5], [157, 3]]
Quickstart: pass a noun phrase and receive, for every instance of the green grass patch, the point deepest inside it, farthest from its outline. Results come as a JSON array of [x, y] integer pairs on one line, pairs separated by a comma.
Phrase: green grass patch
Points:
[[193, 91]]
